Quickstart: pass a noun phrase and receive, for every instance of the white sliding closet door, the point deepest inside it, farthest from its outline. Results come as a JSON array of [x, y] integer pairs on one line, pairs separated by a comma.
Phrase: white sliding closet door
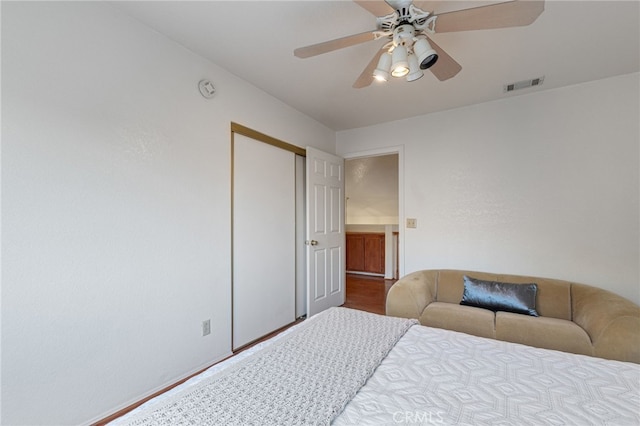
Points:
[[264, 227]]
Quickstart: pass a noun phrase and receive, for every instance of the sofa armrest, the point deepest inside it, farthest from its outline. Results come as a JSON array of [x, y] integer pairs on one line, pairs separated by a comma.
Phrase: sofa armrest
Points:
[[410, 295], [612, 322]]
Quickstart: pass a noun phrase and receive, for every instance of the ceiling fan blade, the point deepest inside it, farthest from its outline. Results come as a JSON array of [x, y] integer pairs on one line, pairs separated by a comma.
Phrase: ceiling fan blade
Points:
[[377, 8], [445, 67], [329, 46], [427, 5], [514, 13], [366, 78]]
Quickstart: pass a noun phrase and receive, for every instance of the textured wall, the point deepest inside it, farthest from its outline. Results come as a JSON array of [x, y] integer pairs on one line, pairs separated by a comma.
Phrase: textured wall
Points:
[[544, 184], [115, 208], [371, 187]]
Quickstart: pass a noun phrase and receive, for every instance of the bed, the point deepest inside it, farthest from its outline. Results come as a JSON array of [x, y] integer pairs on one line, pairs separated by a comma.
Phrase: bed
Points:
[[349, 367]]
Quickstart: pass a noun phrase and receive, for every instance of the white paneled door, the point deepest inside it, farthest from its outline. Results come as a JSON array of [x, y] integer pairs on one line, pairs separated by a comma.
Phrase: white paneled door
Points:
[[264, 257], [325, 231]]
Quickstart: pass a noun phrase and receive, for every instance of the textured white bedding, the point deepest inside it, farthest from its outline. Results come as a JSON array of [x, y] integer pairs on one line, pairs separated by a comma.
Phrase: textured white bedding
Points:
[[306, 377], [435, 376], [194, 381]]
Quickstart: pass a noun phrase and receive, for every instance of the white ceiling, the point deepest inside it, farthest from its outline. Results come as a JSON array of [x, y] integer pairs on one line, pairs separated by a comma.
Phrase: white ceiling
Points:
[[571, 42]]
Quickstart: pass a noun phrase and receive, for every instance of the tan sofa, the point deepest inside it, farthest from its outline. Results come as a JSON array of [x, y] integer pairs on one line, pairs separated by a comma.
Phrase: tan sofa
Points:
[[573, 317]]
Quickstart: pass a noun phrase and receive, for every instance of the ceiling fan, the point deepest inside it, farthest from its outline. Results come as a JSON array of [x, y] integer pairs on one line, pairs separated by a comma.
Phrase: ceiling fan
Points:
[[406, 26]]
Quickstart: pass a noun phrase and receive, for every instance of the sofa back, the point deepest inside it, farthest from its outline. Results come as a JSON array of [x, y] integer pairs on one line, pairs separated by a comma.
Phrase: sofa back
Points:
[[609, 323], [553, 298]]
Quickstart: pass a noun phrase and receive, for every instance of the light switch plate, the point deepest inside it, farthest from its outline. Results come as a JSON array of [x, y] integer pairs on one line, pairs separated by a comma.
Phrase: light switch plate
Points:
[[412, 223]]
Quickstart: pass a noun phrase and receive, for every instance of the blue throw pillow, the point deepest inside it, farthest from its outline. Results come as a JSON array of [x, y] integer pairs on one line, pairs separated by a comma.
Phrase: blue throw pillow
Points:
[[497, 296]]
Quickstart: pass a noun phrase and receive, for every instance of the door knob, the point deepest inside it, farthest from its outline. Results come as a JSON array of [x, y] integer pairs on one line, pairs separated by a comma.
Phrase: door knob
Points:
[[311, 243]]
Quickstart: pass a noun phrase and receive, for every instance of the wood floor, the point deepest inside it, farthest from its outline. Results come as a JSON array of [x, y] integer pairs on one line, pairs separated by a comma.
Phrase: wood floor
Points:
[[367, 293]]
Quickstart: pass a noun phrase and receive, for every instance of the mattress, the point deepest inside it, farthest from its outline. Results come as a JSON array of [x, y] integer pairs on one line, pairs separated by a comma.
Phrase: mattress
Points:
[[436, 376]]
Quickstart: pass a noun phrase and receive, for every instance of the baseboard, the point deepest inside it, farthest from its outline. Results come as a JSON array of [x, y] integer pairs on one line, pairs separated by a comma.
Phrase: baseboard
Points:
[[370, 274], [124, 408]]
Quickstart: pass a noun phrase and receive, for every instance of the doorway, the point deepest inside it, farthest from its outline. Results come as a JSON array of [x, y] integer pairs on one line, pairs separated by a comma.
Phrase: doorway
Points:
[[372, 215], [378, 217]]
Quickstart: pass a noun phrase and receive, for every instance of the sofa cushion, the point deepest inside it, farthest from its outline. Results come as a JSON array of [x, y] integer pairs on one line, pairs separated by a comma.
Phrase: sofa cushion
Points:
[[543, 332], [500, 296], [553, 298], [466, 319]]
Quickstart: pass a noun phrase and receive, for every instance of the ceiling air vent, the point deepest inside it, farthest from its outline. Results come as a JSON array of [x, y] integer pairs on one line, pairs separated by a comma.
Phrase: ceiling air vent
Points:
[[523, 84]]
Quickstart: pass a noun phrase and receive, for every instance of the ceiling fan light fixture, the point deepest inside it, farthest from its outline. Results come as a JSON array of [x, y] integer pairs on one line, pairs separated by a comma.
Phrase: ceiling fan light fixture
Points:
[[414, 68], [427, 56], [381, 73], [399, 61]]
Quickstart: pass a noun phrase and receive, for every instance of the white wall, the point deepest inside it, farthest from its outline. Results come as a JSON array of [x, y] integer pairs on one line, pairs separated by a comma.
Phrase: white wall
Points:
[[543, 184], [116, 208], [371, 188]]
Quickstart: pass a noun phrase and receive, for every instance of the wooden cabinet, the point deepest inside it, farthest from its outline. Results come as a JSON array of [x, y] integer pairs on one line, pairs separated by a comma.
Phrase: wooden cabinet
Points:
[[365, 252], [355, 252]]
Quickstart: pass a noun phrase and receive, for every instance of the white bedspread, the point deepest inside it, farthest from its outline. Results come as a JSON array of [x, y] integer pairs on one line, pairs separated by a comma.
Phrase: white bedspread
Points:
[[434, 376], [306, 378]]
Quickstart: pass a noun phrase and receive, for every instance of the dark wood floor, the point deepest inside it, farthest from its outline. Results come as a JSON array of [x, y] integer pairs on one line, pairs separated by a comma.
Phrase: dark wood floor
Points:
[[367, 293]]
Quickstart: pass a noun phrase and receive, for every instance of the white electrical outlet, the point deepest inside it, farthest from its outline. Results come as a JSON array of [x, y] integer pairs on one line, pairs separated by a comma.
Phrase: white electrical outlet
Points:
[[412, 223], [206, 327]]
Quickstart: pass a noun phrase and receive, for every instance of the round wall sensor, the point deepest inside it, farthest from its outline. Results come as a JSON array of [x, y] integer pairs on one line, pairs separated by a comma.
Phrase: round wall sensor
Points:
[[206, 89]]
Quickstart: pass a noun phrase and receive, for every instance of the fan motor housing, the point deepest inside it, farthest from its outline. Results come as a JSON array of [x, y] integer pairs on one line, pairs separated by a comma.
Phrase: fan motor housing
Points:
[[404, 35]]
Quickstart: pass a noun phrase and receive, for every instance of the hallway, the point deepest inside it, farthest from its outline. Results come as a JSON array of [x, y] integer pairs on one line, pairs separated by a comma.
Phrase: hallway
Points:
[[367, 293]]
